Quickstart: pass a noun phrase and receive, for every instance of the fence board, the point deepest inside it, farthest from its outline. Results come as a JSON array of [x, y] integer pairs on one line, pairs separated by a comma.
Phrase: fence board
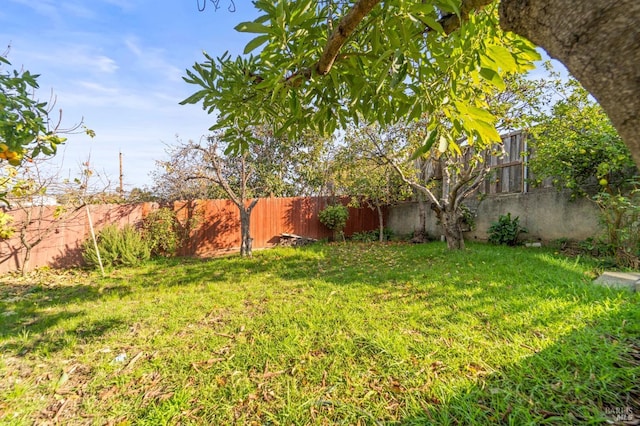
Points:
[[508, 173], [214, 227]]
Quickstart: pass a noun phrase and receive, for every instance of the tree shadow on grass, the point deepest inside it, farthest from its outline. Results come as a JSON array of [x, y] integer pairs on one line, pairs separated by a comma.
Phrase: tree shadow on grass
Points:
[[588, 376], [32, 314], [192, 271], [30, 340], [377, 267]]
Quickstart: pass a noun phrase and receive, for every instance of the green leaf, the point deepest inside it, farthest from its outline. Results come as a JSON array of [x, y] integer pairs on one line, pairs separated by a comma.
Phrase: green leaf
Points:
[[255, 43], [479, 113], [493, 77], [195, 98], [252, 27], [432, 23], [502, 57], [485, 131], [429, 141], [451, 6]]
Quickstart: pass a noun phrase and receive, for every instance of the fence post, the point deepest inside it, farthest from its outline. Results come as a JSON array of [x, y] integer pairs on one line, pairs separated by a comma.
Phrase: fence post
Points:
[[93, 236]]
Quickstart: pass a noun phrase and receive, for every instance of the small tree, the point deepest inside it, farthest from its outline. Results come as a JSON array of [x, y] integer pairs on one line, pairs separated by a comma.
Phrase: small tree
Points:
[[335, 218], [276, 166], [577, 148], [173, 178], [368, 180], [232, 173], [27, 135], [212, 166], [43, 201], [26, 129], [446, 174]]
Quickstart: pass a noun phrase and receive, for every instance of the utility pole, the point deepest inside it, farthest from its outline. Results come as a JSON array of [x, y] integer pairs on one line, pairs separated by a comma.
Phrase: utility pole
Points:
[[121, 190]]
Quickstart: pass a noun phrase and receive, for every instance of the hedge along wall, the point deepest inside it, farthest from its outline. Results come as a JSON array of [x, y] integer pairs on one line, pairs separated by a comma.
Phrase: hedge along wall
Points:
[[215, 227]]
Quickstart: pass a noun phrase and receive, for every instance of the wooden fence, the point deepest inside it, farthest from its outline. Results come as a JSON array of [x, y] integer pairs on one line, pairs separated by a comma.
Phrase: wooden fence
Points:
[[219, 224], [509, 173], [214, 227]]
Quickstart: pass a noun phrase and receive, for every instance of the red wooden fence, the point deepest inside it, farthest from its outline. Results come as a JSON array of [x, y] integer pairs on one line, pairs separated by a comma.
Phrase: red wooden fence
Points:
[[215, 230]]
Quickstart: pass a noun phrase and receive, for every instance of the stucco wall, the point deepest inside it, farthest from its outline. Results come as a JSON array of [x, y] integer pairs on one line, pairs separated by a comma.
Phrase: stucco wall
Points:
[[547, 214]]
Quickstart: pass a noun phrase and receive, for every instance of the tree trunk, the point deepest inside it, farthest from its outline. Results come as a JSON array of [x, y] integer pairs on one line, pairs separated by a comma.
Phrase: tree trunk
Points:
[[598, 41], [380, 222], [452, 226], [246, 242], [25, 243], [25, 261], [420, 234], [245, 232], [27, 246]]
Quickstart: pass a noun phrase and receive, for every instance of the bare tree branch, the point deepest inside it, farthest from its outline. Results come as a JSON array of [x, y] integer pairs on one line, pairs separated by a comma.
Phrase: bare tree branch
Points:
[[413, 184], [342, 32]]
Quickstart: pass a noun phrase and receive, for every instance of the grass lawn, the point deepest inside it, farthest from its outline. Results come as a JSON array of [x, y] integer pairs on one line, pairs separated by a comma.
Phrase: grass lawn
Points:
[[327, 334]]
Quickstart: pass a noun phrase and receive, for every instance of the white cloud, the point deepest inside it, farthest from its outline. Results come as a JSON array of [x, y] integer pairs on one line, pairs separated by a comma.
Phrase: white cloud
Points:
[[125, 5], [153, 60], [96, 96], [103, 63], [45, 8], [78, 10], [97, 87], [132, 44], [57, 12], [71, 59]]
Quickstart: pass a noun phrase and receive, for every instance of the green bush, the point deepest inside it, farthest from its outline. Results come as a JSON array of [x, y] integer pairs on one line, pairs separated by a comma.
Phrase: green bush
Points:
[[372, 236], [117, 247], [620, 217], [505, 230], [334, 217], [161, 232], [365, 237]]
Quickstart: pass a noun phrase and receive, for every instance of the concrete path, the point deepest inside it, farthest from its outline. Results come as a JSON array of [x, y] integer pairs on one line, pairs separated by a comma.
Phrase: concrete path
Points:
[[620, 280]]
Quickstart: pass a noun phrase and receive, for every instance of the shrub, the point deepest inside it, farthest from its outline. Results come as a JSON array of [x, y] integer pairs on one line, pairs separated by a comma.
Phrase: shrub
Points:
[[334, 217], [372, 236], [620, 216], [161, 232], [117, 247], [505, 230], [365, 236]]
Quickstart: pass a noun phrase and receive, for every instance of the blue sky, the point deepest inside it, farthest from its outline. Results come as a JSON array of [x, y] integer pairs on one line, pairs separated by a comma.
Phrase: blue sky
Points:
[[119, 64]]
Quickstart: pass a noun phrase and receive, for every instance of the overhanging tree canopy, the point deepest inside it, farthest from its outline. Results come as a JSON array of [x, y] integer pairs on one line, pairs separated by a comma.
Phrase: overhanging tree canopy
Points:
[[25, 129], [394, 58], [316, 70]]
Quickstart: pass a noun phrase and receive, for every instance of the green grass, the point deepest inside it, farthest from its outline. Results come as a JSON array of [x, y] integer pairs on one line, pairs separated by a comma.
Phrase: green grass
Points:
[[327, 334]]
